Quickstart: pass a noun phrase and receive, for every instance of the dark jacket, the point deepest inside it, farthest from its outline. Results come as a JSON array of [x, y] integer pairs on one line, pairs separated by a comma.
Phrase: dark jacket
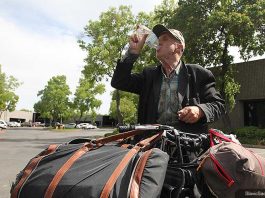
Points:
[[196, 87]]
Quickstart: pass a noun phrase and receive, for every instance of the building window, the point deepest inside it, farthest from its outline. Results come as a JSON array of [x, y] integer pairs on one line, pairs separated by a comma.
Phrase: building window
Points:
[[254, 113]]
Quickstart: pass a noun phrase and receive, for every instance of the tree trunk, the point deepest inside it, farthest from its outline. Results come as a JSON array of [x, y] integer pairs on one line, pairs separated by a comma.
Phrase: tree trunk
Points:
[[80, 117], [225, 64], [119, 116]]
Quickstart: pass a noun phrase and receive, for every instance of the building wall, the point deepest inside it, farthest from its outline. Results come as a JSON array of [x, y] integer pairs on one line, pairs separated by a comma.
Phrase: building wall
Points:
[[22, 115], [237, 115], [236, 119], [251, 76]]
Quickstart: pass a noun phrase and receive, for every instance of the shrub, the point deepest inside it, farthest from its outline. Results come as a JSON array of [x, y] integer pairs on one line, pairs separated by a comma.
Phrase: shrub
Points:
[[251, 135], [248, 132]]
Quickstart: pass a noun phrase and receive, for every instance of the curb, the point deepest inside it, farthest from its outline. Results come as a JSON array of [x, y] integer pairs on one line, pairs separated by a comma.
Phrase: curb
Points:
[[253, 146]]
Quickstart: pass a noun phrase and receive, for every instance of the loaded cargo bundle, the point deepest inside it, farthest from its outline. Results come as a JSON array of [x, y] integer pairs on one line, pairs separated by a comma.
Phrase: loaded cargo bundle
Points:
[[147, 161], [106, 167]]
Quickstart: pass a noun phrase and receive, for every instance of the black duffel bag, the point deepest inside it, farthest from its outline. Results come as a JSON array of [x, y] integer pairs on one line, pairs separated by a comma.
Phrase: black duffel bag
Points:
[[101, 168]]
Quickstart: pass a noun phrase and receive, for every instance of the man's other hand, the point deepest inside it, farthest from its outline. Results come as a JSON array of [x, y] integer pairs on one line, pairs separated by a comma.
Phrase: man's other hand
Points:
[[190, 114]]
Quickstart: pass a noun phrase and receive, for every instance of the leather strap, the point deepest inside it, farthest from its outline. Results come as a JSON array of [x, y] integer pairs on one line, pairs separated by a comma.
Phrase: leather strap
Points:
[[30, 167], [118, 136], [137, 177], [58, 176], [219, 135], [113, 178], [144, 144]]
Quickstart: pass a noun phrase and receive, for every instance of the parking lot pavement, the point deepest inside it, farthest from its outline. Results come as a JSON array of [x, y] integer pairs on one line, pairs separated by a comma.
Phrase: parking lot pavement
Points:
[[260, 151], [19, 145]]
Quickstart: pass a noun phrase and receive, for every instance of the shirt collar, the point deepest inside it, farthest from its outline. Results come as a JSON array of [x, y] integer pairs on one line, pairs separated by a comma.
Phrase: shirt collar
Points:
[[174, 72]]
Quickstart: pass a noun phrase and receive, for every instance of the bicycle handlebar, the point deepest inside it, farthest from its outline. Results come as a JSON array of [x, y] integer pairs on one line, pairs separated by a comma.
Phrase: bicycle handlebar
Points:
[[126, 128], [170, 133]]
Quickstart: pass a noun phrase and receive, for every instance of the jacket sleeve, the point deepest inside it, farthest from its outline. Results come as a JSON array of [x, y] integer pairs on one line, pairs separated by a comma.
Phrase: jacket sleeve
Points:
[[211, 102], [123, 78]]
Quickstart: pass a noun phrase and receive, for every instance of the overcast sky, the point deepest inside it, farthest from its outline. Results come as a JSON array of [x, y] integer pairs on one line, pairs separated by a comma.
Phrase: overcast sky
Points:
[[38, 40]]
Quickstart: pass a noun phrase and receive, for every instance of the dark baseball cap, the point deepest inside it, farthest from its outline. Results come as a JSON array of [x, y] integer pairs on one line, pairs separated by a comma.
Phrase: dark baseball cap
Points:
[[159, 29]]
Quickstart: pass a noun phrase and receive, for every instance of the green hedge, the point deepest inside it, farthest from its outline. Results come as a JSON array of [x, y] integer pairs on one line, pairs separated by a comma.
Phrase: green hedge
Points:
[[251, 135], [113, 133]]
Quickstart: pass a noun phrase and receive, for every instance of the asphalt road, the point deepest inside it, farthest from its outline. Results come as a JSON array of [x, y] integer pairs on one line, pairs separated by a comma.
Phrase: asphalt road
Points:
[[18, 146]]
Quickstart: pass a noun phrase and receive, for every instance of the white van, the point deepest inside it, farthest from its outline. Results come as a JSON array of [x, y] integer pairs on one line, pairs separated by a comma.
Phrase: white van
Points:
[[3, 124]]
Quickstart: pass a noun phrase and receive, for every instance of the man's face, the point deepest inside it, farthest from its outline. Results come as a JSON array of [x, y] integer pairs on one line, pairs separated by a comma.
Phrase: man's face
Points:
[[167, 46]]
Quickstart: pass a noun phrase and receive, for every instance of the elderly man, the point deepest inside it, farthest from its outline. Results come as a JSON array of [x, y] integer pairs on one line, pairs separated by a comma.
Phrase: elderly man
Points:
[[172, 93]]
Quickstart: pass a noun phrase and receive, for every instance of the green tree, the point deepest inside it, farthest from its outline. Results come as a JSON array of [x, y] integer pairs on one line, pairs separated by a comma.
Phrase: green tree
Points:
[[127, 105], [85, 100], [212, 27], [106, 40], [8, 98], [164, 12], [54, 99]]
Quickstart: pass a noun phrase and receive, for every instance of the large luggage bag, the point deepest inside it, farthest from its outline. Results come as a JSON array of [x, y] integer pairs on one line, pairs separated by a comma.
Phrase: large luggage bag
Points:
[[102, 168], [230, 170]]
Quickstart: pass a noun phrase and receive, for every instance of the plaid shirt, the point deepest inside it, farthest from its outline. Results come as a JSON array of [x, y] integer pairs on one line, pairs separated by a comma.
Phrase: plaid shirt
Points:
[[168, 101]]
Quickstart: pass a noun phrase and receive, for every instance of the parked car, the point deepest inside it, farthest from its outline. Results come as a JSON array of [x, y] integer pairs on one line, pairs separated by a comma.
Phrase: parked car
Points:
[[38, 124], [57, 125], [13, 124], [91, 126], [54, 124], [18, 124], [86, 126], [3, 124], [70, 125], [26, 124], [81, 125]]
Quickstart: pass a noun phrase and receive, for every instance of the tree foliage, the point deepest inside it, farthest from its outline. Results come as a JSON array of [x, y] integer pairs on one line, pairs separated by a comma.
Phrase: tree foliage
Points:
[[8, 98], [163, 13], [128, 107], [85, 100], [54, 99]]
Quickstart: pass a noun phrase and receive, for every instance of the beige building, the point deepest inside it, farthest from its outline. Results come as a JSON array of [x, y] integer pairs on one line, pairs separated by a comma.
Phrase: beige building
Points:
[[19, 116]]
